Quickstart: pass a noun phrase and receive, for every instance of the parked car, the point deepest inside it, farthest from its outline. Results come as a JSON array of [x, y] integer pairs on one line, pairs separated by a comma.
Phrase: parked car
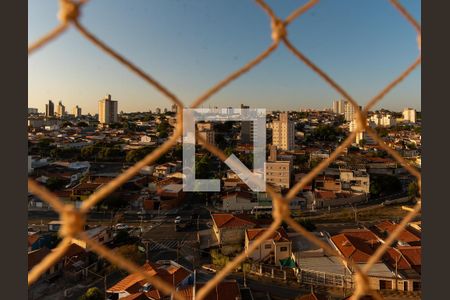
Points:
[[121, 226]]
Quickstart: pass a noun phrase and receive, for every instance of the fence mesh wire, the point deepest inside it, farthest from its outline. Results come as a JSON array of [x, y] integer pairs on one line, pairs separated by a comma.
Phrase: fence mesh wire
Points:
[[73, 219]]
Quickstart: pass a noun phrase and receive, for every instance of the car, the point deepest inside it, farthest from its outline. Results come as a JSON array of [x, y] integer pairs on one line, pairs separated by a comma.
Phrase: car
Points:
[[121, 226], [178, 220]]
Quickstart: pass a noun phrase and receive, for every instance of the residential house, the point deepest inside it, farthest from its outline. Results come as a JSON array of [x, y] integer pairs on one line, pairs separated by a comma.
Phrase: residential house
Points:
[[273, 249], [224, 290], [36, 256], [230, 229], [360, 244], [405, 238], [239, 200], [355, 180], [135, 286], [99, 234]]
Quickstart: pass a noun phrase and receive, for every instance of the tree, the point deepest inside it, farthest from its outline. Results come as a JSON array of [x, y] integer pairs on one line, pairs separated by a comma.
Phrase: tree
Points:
[[163, 129], [202, 167], [82, 124], [308, 225], [113, 202], [382, 185], [138, 154], [93, 293], [130, 252], [413, 189], [54, 183]]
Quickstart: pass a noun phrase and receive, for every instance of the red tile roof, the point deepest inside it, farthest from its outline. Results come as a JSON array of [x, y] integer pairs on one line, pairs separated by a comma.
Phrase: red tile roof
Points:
[[405, 236], [229, 220], [135, 296], [225, 290], [279, 235], [358, 245], [312, 296], [395, 259], [413, 255], [134, 282], [32, 238]]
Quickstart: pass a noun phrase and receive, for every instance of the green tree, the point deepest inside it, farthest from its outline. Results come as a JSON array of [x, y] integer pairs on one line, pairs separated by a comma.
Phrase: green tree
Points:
[[82, 124], [54, 183], [307, 224], [93, 293], [413, 189], [202, 167], [382, 185], [138, 154], [130, 252]]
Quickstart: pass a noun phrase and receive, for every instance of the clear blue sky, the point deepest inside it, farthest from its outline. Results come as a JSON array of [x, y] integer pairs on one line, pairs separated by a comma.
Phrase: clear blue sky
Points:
[[189, 45]]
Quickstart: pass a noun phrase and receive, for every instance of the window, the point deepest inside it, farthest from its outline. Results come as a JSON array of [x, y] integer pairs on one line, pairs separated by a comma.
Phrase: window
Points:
[[283, 249], [267, 246]]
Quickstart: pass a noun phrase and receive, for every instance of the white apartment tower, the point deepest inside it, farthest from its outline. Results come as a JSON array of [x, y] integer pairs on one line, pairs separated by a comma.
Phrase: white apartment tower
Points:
[[107, 111], [339, 106], [349, 111], [283, 132], [409, 115]]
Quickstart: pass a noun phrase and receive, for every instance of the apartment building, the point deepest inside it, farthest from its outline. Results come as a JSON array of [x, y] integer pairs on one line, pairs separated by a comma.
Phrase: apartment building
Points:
[[355, 180], [107, 110], [283, 132], [409, 115]]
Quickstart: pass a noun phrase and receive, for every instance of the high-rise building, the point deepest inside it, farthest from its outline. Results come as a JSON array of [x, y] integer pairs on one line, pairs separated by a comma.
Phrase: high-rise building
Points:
[[246, 135], [335, 107], [206, 131], [341, 106], [409, 115], [283, 132], [76, 111], [338, 106], [362, 135], [50, 109], [383, 120], [349, 111], [60, 110], [107, 111], [174, 108], [158, 110]]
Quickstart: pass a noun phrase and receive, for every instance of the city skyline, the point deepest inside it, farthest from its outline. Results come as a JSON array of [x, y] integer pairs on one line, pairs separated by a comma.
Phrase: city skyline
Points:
[[188, 57]]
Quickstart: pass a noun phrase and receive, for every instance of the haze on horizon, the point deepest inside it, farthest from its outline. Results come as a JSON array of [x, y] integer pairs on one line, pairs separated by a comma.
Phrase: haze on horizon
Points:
[[188, 46]]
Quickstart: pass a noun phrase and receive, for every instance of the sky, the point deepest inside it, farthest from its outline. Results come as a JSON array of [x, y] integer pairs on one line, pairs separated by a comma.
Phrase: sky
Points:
[[189, 45]]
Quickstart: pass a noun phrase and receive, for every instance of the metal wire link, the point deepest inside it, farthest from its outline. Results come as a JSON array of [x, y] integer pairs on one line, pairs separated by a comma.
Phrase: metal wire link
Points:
[[74, 219]]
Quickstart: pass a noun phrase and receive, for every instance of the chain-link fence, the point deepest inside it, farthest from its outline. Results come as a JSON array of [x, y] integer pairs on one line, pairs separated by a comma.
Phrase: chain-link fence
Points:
[[74, 219]]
